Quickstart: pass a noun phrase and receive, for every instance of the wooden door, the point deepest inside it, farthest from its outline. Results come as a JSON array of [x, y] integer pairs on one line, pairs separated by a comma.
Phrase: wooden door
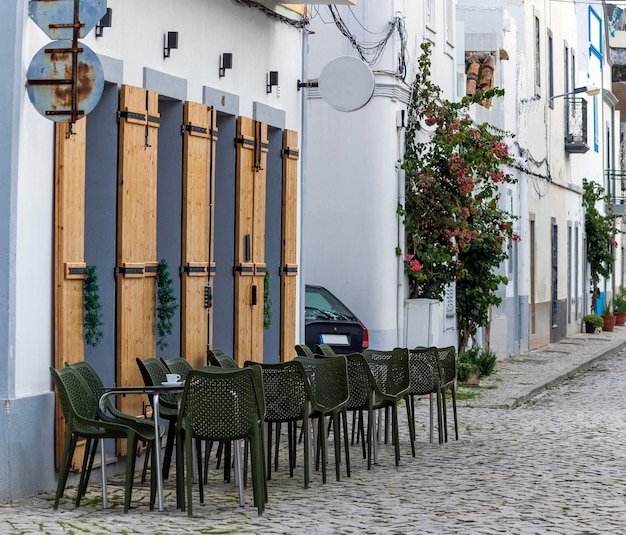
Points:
[[136, 238], [289, 265], [249, 269], [70, 267], [200, 138]]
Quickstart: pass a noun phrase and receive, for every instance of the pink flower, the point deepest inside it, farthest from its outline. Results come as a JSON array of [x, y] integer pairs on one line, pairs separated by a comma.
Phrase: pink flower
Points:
[[414, 265]]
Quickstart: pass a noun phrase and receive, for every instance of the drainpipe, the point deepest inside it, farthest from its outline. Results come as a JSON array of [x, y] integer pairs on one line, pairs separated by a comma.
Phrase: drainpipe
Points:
[[303, 159], [400, 311]]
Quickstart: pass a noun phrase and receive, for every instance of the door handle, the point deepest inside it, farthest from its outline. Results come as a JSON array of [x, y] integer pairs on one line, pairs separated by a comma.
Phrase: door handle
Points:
[[254, 294]]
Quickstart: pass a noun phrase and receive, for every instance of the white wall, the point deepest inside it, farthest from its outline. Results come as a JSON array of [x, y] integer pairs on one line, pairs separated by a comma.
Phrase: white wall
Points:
[[351, 226], [206, 29]]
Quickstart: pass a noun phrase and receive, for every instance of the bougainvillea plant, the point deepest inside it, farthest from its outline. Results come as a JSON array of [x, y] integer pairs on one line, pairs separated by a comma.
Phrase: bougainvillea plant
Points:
[[601, 231], [455, 228]]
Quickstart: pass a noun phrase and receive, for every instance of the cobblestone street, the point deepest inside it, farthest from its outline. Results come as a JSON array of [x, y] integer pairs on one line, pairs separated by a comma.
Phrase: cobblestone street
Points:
[[556, 464]]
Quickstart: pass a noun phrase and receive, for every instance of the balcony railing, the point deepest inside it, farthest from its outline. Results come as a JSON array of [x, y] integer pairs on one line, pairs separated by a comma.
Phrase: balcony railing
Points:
[[616, 182], [576, 125]]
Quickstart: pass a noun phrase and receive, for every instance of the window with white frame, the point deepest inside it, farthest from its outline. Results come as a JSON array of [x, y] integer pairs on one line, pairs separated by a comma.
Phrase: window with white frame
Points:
[[537, 56], [429, 14], [450, 22]]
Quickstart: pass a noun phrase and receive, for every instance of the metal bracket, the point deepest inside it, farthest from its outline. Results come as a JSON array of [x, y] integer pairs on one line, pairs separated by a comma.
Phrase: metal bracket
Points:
[[128, 271], [192, 128], [307, 84], [208, 297], [193, 269]]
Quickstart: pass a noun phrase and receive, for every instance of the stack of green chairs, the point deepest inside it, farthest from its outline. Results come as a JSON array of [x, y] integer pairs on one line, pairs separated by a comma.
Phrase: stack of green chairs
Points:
[[330, 393], [390, 370]]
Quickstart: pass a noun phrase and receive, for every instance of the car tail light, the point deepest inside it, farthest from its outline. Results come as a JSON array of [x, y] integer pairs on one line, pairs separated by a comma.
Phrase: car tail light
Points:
[[366, 338]]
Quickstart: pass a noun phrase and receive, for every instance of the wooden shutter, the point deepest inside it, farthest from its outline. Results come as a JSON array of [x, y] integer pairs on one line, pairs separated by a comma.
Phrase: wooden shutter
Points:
[[200, 138], [70, 266], [289, 266], [136, 237], [252, 148]]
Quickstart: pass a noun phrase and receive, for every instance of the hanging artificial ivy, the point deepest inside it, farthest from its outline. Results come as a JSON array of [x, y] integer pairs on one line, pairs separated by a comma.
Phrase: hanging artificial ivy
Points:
[[267, 302], [92, 309], [166, 304]]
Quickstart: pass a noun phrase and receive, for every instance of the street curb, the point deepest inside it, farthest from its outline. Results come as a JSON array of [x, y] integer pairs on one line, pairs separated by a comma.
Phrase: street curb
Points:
[[512, 403]]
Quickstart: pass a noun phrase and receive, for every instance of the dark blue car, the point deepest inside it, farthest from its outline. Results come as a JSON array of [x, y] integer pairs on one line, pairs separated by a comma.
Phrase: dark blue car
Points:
[[328, 321]]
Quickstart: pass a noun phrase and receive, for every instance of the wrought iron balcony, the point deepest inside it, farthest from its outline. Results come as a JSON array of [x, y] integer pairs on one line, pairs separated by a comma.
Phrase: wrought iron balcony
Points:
[[576, 125], [616, 183]]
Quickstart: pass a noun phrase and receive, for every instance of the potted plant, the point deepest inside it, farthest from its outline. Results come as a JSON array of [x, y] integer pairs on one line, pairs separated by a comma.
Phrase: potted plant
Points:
[[607, 316], [593, 323], [619, 308]]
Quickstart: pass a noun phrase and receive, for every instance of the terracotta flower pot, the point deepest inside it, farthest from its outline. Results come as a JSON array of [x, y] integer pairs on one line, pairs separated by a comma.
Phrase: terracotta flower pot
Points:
[[609, 323], [620, 318]]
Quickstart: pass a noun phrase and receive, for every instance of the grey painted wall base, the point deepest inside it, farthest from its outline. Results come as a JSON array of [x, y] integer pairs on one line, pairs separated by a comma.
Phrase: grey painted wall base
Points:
[[27, 446]]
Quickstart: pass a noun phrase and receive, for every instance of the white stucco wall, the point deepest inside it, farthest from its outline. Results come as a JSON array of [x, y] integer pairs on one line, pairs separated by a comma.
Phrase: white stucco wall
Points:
[[351, 227], [206, 30]]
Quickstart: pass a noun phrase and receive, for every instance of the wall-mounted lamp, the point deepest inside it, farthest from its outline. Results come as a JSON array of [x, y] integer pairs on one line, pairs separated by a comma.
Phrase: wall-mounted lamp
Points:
[[226, 62], [591, 90], [272, 80], [171, 41], [105, 22]]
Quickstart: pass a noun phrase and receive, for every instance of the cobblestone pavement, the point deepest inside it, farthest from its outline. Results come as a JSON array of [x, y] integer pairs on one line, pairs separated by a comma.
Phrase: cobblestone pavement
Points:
[[553, 462]]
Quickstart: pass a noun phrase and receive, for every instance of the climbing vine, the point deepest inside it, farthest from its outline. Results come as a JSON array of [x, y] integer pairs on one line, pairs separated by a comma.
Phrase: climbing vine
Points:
[[267, 302], [92, 309], [166, 304], [601, 231]]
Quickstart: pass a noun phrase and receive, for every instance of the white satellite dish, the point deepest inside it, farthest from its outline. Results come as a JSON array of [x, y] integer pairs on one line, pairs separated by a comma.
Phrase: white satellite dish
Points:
[[346, 83]]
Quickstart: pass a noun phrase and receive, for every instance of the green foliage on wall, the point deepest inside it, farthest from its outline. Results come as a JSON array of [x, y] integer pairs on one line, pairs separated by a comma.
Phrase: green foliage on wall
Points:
[[166, 304], [267, 302], [92, 309]]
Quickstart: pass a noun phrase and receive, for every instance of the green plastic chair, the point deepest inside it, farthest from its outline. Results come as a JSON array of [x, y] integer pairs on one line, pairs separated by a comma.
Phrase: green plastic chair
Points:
[[178, 365], [328, 378], [211, 354], [424, 380], [224, 405], [91, 377], [287, 400], [304, 351], [447, 379], [154, 372], [324, 350], [222, 360], [82, 418], [390, 370]]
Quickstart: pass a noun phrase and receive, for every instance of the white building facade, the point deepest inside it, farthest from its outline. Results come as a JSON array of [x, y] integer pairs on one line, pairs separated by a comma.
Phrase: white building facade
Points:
[[354, 182], [74, 197]]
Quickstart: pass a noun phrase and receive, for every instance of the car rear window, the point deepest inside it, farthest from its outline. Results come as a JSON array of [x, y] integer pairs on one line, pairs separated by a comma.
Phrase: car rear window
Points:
[[320, 302]]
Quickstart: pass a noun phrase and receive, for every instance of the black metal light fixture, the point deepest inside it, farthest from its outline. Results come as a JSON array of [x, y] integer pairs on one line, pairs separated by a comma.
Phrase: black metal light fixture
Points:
[[171, 42], [590, 89], [272, 80], [105, 22], [226, 62]]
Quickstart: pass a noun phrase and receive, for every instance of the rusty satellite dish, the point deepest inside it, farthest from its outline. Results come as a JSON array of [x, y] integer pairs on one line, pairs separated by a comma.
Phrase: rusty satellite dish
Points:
[[346, 83], [65, 83]]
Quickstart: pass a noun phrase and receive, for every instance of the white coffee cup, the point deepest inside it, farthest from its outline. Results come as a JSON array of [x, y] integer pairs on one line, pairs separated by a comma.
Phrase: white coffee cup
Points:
[[172, 377]]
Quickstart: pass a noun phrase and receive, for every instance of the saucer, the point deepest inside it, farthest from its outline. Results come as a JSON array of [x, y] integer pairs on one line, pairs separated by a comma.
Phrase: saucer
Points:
[[175, 383]]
